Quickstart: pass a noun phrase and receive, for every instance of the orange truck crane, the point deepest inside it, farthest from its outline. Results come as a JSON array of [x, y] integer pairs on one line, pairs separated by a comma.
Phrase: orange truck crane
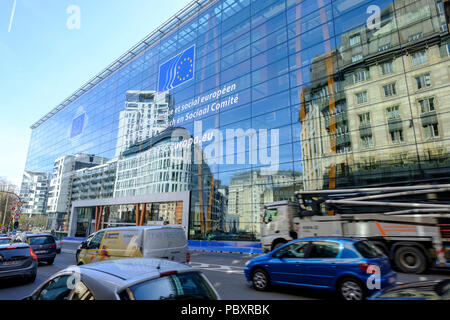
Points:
[[410, 224]]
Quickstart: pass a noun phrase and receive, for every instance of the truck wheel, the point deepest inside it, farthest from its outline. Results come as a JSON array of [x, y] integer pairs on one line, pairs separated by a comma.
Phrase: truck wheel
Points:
[[410, 260], [278, 244], [260, 280]]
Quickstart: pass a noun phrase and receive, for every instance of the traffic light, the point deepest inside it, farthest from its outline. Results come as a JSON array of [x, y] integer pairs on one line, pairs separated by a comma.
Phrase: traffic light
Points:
[[16, 225]]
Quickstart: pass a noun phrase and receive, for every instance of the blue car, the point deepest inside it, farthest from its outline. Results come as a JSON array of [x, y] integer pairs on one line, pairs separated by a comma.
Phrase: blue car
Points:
[[354, 268]]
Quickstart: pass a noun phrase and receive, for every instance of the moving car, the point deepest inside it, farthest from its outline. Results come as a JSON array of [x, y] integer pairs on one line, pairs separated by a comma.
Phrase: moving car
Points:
[[58, 244], [342, 265], [17, 261], [43, 245], [166, 242], [127, 279], [424, 290], [5, 240]]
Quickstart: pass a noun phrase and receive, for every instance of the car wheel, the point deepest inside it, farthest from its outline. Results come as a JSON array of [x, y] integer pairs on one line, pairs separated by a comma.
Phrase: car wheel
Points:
[[410, 260], [260, 280], [351, 289], [50, 261]]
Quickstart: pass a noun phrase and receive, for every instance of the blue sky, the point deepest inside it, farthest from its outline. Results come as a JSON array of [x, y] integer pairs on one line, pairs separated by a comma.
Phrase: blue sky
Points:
[[42, 62]]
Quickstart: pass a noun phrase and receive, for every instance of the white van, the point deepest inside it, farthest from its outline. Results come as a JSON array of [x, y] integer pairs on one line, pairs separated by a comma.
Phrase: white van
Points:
[[166, 242]]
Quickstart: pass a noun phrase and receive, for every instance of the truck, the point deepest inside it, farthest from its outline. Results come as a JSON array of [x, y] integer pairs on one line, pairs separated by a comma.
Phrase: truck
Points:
[[409, 224]]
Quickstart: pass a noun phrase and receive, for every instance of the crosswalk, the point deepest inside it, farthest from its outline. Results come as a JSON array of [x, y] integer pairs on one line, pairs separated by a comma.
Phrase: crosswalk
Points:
[[217, 267]]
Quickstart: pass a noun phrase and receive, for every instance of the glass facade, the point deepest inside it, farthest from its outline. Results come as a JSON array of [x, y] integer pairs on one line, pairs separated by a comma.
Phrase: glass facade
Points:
[[271, 97]]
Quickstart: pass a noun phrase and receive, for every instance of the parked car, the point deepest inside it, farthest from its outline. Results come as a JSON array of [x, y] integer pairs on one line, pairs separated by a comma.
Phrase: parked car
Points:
[[127, 279], [327, 263], [5, 240], [17, 261], [43, 245], [424, 290], [166, 242], [58, 244]]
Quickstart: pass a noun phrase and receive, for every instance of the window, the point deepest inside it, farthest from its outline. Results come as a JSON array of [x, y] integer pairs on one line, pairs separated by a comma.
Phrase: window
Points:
[[81, 292], [357, 58], [389, 90], [431, 131], [397, 136], [368, 250], [384, 47], [355, 39], [419, 58], [415, 37], [364, 119], [423, 81], [387, 67], [361, 75], [270, 215], [366, 142], [324, 250], [295, 250], [426, 105], [55, 289], [361, 97], [96, 241], [393, 112]]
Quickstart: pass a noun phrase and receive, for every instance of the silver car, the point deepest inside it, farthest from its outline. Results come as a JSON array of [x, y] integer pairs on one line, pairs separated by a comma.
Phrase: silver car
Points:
[[127, 279]]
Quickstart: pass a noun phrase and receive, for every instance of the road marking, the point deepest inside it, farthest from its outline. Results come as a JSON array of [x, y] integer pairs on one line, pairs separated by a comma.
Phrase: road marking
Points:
[[217, 267]]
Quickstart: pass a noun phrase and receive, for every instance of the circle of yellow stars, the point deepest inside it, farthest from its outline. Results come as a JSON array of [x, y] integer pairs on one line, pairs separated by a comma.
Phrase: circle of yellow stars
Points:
[[186, 60]]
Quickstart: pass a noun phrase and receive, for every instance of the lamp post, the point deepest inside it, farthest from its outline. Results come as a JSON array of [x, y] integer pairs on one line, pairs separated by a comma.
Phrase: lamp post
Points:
[[6, 206]]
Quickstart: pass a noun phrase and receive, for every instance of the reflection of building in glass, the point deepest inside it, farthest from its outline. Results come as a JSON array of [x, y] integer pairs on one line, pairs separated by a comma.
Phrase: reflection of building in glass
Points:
[[34, 192], [154, 166], [250, 190], [60, 186], [145, 115], [94, 183], [374, 111]]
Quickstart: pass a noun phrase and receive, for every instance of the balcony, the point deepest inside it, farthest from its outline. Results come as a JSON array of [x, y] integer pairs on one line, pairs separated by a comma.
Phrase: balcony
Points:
[[428, 118], [365, 130], [395, 124]]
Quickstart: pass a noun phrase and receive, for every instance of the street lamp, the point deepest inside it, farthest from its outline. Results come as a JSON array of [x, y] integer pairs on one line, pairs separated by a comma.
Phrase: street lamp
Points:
[[6, 206]]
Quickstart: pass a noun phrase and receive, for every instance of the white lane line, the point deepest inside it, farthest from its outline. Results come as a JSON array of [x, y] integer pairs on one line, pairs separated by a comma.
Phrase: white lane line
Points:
[[12, 15], [219, 268]]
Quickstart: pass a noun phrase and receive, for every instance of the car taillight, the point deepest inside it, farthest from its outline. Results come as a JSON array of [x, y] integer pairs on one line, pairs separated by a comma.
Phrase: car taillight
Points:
[[53, 246], [363, 266], [168, 273], [188, 257], [33, 255]]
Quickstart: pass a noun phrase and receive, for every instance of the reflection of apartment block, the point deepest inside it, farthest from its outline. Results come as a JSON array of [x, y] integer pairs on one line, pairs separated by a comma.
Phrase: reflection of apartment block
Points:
[[34, 192], [381, 107], [153, 167], [146, 114], [250, 191], [60, 185], [94, 183]]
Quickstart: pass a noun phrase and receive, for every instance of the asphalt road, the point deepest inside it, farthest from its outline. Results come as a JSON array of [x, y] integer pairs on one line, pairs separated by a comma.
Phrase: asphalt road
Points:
[[225, 271]]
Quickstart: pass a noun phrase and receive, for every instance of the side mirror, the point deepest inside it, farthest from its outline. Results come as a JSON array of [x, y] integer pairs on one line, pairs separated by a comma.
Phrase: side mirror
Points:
[[84, 245]]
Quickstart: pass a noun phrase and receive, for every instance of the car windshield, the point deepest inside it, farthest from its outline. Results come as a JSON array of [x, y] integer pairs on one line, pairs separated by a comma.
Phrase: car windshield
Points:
[[5, 241], [184, 286], [368, 250], [41, 240]]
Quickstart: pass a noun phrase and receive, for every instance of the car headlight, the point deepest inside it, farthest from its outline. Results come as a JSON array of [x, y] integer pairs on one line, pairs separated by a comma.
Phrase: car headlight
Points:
[[247, 263]]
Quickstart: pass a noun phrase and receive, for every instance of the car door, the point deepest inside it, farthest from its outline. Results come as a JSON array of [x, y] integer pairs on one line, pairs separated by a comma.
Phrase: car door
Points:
[[286, 264], [320, 266]]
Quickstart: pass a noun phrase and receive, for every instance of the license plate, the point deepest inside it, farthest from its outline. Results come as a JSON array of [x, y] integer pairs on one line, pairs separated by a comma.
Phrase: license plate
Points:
[[39, 252], [391, 280]]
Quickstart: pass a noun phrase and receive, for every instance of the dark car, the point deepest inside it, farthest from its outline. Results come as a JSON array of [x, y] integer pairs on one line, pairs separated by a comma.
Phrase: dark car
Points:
[[43, 245], [424, 290], [58, 244], [17, 261]]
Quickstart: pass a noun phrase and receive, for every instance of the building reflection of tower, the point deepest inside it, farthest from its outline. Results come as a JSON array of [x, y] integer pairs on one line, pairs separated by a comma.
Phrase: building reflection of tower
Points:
[[374, 109]]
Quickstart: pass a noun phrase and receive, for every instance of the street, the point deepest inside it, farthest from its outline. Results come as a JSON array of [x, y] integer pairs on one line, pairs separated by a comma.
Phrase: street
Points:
[[225, 271]]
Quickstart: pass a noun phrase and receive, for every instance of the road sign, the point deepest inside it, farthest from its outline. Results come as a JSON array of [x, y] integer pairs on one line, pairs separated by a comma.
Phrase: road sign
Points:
[[13, 208], [19, 204], [14, 232], [18, 211]]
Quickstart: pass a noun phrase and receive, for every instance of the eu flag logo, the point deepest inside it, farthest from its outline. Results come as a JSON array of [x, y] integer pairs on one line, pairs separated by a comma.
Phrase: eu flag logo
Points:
[[77, 125], [177, 70]]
